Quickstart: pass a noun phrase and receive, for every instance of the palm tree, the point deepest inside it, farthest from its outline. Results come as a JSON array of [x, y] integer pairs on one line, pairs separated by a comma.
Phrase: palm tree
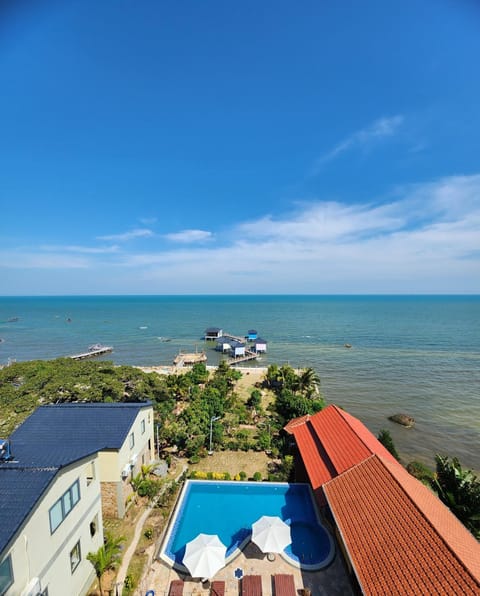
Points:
[[309, 381], [106, 557]]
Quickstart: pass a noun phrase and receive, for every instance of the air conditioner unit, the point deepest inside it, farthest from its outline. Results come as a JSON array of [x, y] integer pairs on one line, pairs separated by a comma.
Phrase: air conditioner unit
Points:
[[133, 460], [125, 472]]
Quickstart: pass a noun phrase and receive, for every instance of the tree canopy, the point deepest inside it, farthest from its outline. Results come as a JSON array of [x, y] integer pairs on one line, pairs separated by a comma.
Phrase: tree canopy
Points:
[[459, 490]]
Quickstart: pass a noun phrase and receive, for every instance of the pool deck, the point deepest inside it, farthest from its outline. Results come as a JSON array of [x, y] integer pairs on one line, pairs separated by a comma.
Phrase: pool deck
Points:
[[331, 581]]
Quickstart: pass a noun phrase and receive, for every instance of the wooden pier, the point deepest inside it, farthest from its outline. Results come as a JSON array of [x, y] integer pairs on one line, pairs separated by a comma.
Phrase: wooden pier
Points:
[[249, 355], [92, 353], [234, 337], [182, 359]]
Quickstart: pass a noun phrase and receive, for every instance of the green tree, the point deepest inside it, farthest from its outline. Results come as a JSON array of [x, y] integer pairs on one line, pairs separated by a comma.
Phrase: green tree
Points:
[[386, 440], [309, 382], [255, 399], [199, 373], [106, 557], [459, 490]]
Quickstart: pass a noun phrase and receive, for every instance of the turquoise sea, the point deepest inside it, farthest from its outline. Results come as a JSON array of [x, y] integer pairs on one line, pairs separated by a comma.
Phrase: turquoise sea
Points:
[[414, 354]]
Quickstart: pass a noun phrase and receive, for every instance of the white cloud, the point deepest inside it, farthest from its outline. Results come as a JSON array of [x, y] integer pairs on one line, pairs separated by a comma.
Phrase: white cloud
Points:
[[137, 233], [82, 249], [424, 239], [365, 138], [189, 236], [37, 260]]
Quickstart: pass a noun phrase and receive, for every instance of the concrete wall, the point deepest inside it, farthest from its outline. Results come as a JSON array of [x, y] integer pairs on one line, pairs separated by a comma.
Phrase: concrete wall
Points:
[[37, 553]]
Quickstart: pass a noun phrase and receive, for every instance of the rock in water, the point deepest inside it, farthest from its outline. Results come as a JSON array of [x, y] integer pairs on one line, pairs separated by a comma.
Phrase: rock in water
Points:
[[402, 419]]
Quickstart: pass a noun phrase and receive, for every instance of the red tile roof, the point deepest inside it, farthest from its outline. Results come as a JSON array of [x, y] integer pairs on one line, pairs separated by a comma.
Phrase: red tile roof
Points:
[[400, 538], [331, 442]]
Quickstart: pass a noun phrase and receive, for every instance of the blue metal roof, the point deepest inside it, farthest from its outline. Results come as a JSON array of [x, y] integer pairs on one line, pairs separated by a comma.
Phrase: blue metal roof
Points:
[[52, 437], [20, 489], [57, 435]]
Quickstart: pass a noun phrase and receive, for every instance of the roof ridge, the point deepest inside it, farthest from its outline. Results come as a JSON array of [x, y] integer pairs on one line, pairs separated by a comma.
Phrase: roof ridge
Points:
[[346, 416]]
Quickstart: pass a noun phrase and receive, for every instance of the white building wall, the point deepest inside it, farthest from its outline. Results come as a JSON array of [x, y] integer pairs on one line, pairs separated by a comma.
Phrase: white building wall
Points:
[[143, 449], [39, 553]]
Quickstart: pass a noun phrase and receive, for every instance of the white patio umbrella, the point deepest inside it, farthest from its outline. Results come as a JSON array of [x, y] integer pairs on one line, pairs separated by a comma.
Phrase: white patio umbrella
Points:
[[204, 555], [271, 534]]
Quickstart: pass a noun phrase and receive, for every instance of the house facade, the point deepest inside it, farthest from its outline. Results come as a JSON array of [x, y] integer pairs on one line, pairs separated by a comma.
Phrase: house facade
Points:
[[46, 554], [56, 477]]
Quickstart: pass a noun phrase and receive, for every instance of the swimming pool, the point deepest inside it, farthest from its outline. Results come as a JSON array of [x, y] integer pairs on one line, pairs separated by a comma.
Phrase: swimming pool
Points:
[[229, 510]]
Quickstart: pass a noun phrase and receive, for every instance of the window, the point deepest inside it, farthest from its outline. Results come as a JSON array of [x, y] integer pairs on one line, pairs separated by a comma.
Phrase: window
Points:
[[75, 556], [142, 426], [6, 574], [64, 505], [132, 440]]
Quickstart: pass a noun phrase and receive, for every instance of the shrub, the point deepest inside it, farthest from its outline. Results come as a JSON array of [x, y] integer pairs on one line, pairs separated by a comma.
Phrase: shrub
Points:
[[194, 459], [148, 488], [386, 440], [243, 475], [421, 472], [148, 533], [257, 477]]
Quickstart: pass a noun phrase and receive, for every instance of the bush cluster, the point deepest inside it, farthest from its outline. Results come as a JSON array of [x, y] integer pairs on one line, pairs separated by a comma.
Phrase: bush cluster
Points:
[[241, 476]]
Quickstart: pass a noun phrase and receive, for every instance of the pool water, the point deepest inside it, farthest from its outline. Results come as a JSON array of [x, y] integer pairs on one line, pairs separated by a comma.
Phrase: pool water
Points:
[[230, 508]]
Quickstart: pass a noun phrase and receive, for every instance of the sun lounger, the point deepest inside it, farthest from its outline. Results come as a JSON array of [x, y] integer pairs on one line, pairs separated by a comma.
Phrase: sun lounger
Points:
[[284, 585], [176, 588], [251, 585], [217, 588]]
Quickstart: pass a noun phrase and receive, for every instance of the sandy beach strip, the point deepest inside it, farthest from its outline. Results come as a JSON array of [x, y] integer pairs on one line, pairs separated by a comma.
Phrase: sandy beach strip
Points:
[[250, 374]]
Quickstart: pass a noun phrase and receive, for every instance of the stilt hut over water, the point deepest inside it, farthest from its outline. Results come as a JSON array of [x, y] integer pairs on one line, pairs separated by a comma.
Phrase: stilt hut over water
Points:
[[223, 345], [251, 335], [238, 349], [260, 345], [213, 333]]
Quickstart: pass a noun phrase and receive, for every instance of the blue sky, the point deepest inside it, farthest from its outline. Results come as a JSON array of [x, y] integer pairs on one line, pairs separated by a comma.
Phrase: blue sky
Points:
[[152, 147]]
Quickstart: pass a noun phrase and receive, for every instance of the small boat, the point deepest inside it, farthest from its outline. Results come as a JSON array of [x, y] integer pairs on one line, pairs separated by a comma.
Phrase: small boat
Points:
[[95, 350], [13, 319], [96, 347], [347, 345]]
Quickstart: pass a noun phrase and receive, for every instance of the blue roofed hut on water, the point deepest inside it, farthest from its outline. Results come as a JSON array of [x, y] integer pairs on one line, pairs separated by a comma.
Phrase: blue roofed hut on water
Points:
[[213, 333], [223, 345], [251, 335], [237, 348], [260, 345]]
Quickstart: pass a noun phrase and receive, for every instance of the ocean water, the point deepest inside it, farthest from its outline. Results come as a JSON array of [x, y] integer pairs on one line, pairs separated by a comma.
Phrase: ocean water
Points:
[[414, 354]]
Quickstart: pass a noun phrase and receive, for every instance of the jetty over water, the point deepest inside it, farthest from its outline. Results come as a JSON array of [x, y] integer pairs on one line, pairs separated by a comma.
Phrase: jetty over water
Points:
[[184, 359], [249, 355], [92, 352]]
